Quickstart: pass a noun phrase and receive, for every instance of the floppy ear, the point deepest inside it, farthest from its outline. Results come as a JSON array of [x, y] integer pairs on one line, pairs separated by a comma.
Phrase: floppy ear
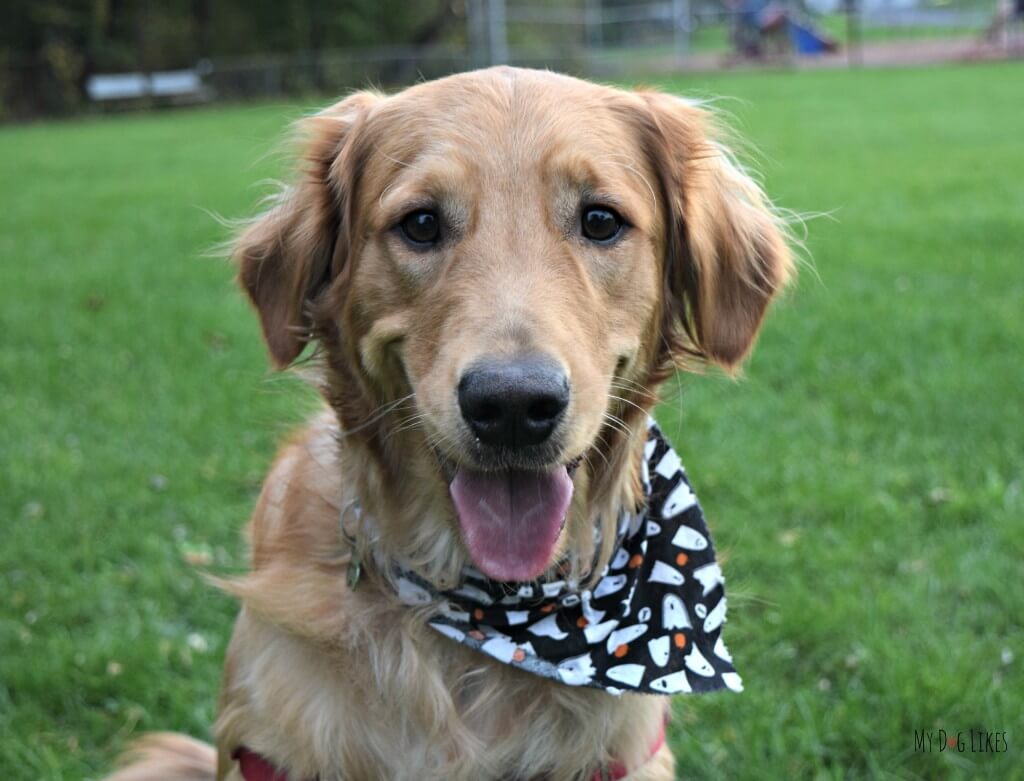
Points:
[[287, 256], [727, 255]]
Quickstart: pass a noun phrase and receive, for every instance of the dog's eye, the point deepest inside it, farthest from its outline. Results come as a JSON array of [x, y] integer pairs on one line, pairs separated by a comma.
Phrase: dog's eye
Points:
[[421, 227], [601, 224]]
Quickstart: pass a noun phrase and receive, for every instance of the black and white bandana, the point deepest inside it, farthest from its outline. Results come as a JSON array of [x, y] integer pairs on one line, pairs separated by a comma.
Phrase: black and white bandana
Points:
[[651, 624]]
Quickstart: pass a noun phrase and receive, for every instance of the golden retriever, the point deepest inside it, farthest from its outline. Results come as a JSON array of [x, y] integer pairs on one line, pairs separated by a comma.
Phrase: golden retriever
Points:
[[496, 269]]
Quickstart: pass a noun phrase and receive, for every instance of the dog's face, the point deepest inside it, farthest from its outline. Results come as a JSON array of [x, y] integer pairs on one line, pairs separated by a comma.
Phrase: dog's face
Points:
[[515, 258]]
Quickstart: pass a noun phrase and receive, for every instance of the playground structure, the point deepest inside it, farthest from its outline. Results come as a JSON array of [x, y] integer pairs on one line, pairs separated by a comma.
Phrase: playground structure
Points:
[[512, 30], [761, 28]]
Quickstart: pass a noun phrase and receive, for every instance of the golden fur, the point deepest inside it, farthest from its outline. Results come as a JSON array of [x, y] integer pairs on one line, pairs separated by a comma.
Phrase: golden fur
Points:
[[335, 683]]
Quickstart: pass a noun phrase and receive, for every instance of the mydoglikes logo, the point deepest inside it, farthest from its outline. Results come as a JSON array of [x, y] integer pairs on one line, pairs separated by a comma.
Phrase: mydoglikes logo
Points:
[[974, 741]]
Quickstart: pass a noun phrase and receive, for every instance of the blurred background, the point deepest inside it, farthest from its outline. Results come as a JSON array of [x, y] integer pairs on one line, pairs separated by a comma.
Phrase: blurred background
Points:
[[863, 478], [59, 57]]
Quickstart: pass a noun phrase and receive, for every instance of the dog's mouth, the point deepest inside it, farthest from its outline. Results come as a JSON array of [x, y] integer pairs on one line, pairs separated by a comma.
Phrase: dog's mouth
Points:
[[510, 519]]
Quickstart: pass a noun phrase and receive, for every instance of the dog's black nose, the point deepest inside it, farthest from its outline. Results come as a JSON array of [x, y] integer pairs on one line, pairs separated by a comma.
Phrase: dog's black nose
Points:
[[514, 403]]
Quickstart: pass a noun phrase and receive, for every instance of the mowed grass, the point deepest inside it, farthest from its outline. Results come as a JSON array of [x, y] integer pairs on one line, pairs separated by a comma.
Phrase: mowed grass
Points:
[[863, 479]]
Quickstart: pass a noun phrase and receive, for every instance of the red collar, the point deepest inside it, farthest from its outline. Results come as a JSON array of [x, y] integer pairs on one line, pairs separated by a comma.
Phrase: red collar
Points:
[[257, 768], [617, 770]]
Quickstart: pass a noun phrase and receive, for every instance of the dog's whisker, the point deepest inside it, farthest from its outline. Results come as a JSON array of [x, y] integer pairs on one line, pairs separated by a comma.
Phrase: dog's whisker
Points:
[[590, 463], [600, 452], [438, 439], [625, 427], [627, 401], [414, 421], [641, 397], [379, 413], [615, 427], [636, 384], [633, 389], [408, 424], [624, 383], [617, 424]]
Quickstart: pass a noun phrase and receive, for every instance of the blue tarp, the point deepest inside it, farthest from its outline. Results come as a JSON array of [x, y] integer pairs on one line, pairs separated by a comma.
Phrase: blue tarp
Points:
[[806, 40]]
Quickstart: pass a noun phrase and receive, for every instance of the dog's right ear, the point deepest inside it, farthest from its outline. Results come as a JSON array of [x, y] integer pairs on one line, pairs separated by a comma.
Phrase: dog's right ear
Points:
[[287, 256]]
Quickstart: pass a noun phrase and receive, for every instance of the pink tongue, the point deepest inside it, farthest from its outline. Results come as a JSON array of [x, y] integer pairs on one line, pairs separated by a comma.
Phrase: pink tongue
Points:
[[511, 519]]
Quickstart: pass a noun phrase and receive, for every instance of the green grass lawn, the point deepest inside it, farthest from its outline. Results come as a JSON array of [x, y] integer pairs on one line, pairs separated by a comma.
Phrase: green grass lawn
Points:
[[864, 480]]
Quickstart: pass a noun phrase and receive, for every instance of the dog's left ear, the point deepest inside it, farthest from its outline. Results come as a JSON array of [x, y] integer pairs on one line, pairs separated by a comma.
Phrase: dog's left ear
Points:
[[726, 250]]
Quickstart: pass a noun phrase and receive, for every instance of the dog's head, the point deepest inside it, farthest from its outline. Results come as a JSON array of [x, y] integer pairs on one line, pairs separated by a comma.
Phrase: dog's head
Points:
[[500, 267]]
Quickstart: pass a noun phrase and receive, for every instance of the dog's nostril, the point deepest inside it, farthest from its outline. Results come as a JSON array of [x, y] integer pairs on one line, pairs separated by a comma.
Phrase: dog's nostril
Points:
[[545, 409], [487, 413], [513, 403]]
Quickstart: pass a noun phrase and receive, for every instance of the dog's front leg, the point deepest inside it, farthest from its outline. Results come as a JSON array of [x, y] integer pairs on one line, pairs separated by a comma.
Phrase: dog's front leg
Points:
[[288, 702]]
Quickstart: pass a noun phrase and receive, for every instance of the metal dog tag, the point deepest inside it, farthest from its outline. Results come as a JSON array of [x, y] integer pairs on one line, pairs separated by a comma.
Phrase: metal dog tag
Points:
[[355, 570], [355, 562]]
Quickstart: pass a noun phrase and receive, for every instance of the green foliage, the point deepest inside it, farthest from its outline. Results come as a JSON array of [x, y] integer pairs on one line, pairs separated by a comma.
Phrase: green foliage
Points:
[[49, 48], [177, 32], [863, 480]]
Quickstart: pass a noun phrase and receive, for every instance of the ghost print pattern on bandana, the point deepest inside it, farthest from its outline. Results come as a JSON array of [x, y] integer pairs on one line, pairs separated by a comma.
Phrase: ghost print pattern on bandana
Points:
[[651, 624]]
